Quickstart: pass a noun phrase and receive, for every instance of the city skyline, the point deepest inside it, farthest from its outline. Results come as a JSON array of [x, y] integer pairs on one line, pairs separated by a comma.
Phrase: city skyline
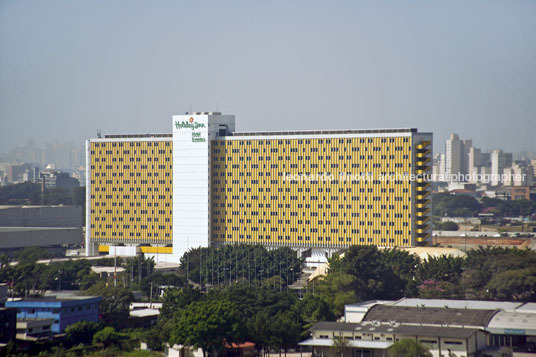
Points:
[[285, 66], [34, 152]]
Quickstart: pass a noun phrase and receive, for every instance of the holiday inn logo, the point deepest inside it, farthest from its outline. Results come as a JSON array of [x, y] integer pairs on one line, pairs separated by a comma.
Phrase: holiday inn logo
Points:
[[189, 124]]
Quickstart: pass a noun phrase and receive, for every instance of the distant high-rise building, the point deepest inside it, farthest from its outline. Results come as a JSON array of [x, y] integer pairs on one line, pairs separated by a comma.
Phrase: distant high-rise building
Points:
[[478, 163], [519, 174], [15, 173], [456, 155], [533, 165], [438, 167], [499, 161]]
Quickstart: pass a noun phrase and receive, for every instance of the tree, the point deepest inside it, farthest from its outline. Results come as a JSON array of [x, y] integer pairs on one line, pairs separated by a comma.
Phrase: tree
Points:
[[284, 329], [446, 226], [337, 289], [258, 330], [312, 309], [177, 299], [115, 303], [153, 338], [373, 272], [20, 193], [339, 345], [241, 262], [57, 196], [31, 255], [208, 324], [513, 208], [516, 284], [107, 336], [408, 348], [157, 279], [443, 268], [81, 331], [445, 204]]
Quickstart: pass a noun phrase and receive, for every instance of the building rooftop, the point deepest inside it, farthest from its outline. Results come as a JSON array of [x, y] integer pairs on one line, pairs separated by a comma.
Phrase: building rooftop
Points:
[[323, 132], [529, 307], [459, 304], [399, 329], [31, 229], [106, 269], [326, 342], [429, 315], [505, 321], [50, 299], [134, 136], [33, 206], [144, 312]]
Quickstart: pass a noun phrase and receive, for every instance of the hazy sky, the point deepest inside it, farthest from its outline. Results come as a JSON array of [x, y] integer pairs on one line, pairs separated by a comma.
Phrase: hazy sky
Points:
[[68, 67]]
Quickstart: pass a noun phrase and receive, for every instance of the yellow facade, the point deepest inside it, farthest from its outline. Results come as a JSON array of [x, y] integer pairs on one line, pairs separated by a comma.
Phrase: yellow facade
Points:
[[131, 191], [254, 202]]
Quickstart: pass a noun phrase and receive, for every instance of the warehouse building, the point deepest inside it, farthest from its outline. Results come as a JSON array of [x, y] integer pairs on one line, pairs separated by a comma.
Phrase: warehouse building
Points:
[[508, 327], [207, 184], [373, 339], [54, 228]]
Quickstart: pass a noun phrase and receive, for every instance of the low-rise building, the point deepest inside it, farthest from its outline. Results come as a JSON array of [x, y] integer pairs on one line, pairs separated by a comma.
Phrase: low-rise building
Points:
[[506, 326], [8, 320], [63, 311], [34, 329], [374, 338]]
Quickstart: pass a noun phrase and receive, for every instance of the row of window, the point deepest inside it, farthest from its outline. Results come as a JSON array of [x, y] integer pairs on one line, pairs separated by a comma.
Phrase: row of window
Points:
[[307, 222], [131, 234], [268, 238], [64, 310], [131, 144], [308, 189], [309, 141], [298, 206]]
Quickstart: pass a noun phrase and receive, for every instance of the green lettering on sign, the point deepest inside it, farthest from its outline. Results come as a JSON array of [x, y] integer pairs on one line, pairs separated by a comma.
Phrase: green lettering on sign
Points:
[[188, 125], [196, 137]]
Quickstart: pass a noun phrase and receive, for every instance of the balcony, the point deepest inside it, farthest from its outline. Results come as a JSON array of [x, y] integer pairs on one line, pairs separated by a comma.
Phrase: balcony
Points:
[[422, 221], [423, 162], [421, 187], [422, 213]]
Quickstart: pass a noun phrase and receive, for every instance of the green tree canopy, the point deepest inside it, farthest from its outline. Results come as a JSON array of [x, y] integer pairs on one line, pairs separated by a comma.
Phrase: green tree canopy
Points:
[[408, 348], [446, 204], [115, 304], [209, 324], [81, 331]]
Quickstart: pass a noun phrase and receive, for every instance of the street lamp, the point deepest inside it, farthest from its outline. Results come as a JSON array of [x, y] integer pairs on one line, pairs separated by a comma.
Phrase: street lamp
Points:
[[59, 280]]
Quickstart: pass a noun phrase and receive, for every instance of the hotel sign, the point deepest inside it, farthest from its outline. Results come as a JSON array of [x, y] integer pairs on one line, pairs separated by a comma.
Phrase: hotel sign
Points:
[[192, 125]]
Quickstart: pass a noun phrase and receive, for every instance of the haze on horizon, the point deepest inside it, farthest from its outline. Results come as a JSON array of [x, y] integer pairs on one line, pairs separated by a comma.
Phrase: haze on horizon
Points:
[[69, 68]]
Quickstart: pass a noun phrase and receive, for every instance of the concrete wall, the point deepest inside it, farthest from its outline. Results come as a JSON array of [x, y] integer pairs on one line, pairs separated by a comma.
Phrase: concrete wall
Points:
[[15, 237], [41, 216]]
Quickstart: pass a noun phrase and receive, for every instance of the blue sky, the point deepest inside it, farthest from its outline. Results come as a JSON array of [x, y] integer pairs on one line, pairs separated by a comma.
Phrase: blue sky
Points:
[[68, 68]]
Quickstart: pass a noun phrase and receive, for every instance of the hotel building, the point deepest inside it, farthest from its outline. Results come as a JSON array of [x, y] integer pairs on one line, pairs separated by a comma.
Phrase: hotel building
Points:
[[207, 184]]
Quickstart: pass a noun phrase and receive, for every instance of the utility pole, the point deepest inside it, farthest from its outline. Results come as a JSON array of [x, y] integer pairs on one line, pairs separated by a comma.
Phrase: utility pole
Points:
[[280, 272], [139, 269], [151, 297]]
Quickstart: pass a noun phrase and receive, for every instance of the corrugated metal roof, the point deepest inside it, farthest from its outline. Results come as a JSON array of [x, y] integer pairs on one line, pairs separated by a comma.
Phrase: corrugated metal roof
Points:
[[459, 304], [513, 320], [429, 316], [403, 330]]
